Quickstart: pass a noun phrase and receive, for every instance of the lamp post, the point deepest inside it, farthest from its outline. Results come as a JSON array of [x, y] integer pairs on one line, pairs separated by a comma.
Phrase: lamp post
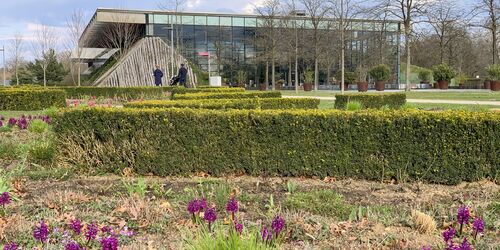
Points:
[[172, 63], [3, 55]]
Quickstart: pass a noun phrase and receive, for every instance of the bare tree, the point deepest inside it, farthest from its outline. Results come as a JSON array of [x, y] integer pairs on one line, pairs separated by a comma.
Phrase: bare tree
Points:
[[76, 25], [45, 40], [174, 6], [269, 34], [487, 11], [317, 11], [16, 54], [409, 12], [120, 34]]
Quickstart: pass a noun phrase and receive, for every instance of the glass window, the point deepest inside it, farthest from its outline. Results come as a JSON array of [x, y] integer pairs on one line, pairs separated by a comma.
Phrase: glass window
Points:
[[200, 20], [238, 22], [161, 19], [250, 22], [213, 20], [187, 20], [225, 21]]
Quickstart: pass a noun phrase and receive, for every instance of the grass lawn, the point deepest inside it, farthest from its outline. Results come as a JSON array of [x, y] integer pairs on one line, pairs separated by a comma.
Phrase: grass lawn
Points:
[[16, 114], [445, 95]]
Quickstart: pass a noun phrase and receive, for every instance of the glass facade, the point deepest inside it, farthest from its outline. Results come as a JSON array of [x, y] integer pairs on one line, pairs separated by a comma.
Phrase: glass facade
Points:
[[232, 42]]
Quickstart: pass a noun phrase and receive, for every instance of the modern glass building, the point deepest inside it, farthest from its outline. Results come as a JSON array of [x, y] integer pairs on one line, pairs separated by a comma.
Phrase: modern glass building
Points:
[[238, 42]]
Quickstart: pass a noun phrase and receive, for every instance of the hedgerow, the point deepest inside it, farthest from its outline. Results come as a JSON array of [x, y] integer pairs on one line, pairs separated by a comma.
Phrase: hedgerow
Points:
[[374, 101], [181, 90], [438, 147], [31, 98], [127, 93], [258, 103], [243, 95]]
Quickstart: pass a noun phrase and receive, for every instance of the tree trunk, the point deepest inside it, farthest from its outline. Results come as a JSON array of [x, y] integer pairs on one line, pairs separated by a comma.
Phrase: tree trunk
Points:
[[17, 75], [494, 43], [273, 74], [316, 73], [266, 77], [408, 58], [79, 75], [45, 76], [289, 72]]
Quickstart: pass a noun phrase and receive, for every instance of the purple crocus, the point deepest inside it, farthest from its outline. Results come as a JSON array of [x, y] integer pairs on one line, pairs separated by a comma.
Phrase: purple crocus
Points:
[[72, 246], [465, 245], [12, 122], [5, 199], [91, 232], [449, 234], [478, 226], [107, 229], [41, 232], [10, 246], [210, 216], [232, 207], [22, 123], [278, 224], [202, 203], [109, 243], [266, 234], [193, 207], [238, 227], [76, 226], [463, 215]]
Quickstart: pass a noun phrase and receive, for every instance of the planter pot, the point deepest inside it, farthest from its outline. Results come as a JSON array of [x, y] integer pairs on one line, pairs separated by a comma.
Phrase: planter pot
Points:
[[435, 85], [495, 85], [380, 85], [443, 84], [262, 87], [308, 87], [362, 86], [487, 84]]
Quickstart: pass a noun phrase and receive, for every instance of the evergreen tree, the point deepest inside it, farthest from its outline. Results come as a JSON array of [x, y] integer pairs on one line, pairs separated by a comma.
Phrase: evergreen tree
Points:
[[55, 69], [25, 76]]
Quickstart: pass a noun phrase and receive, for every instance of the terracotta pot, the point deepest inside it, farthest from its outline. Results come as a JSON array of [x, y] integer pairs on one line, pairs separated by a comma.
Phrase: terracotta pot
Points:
[[262, 87], [495, 85], [380, 85], [362, 86], [308, 87], [443, 84], [487, 84]]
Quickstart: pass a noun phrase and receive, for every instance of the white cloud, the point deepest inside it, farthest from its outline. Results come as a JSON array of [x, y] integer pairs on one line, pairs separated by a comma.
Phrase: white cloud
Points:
[[250, 8], [193, 3]]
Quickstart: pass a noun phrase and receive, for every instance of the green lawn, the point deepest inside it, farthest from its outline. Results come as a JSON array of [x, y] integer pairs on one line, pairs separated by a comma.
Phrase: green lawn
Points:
[[445, 95], [16, 114]]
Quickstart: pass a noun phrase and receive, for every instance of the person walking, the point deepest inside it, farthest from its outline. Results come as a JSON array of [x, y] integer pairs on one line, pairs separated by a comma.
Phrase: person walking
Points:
[[182, 75], [158, 74]]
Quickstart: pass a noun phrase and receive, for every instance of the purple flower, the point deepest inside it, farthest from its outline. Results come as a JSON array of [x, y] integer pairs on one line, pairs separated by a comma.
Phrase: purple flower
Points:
[[41, 232], [22, 123], [478, 225], [452, 246], [210, 215], [109, 243], [278, 224], [1, 124], [232, 205], [76, 226], [10, 246], [463, 215], [12, 122], [126, 232], [465, 245], [107, 229], [91, 231], [193, 207], [73, 246], [266, 234], [426, 248], [203, 204], [449, 234], [238, 227], [5, 199]]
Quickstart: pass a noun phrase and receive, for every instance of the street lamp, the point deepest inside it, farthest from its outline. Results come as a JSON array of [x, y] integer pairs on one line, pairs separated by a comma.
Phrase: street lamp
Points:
[[3, 54]]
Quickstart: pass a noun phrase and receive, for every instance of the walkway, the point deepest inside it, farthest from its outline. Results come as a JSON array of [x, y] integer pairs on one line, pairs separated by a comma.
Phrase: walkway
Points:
[[492, 103]]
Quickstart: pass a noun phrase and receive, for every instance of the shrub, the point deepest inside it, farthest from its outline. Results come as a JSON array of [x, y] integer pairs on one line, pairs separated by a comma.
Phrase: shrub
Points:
[[494, 72], [349, 76], [439, 147], [371, 101], [127, 93], [354, 106], [182, 90], [309, 77], [425, 75], [31, 98], [265, 103], [42, 152], [443, 72], [361, 73], [245, 95], [38, 126], [380, 72]]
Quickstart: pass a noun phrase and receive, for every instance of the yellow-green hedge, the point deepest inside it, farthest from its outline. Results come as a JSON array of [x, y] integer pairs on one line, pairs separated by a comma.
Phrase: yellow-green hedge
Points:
[[243, 95], [264, 103], [31, 98], [181, 90], [371, 101], [125, 93], [438, 147]]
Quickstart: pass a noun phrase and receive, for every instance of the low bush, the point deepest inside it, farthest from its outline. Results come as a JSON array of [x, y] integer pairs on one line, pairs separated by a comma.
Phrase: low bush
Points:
[[354, 106], [371, 101], [244, 95], [38, 126], [265, 103], [31, 98], [127, 93], [181, 90], [438, 147]]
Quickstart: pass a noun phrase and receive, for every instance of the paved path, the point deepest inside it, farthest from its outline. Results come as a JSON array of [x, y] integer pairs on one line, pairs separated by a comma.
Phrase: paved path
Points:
[[493, 103]]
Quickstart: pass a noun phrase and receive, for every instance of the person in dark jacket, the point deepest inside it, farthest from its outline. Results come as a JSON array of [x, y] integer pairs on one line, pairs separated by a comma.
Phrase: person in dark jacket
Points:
[[158, 74], [182, 75]]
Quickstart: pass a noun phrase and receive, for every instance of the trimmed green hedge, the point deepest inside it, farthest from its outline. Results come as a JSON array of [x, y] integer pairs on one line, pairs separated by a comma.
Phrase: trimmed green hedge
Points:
[[127, 93], [31, 98], [243, 95], [371, 101], [437, 147], [182, 90], [264, 103]]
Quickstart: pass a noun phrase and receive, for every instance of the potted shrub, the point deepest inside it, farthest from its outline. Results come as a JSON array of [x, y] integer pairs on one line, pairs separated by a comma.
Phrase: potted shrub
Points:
[[349, 78], [425, 76], [494, 73], [381, 73], [361, 74], [487, 83], [461, 79], [308, 80], [443, 74]]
